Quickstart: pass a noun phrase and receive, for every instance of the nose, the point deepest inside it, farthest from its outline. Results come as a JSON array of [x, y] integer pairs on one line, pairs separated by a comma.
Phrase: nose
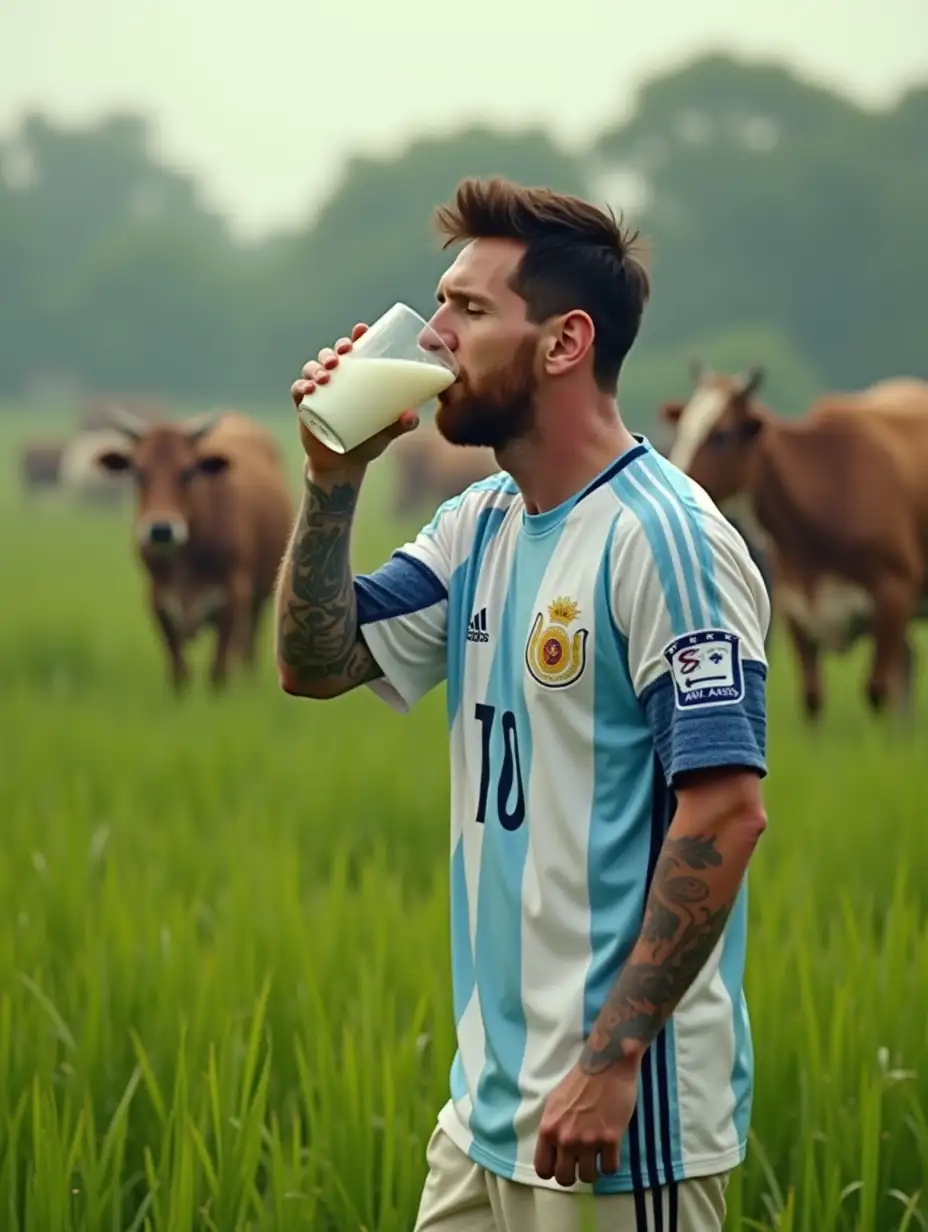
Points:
[[435, 335], [161, 532], [164, 532]]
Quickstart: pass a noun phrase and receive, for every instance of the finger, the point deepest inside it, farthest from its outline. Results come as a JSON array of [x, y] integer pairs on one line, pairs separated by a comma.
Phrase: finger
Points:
[[545, 1157], [311, 369], [586, 1163], [343, 346], [358, 330], [299, 390], [565, 1168], [407, 422], [328, 358], [609, 1157]]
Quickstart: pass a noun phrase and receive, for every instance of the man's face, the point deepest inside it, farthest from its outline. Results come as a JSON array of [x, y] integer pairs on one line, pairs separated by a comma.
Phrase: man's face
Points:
[[483, 321]]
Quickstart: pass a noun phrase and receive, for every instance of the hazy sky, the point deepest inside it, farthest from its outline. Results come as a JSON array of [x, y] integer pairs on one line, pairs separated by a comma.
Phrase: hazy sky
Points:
[[264, 100]]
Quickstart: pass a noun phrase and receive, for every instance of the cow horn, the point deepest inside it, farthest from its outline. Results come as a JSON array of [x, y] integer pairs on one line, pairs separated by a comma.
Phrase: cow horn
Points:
[[751, 380], [128, 424], [197, 426]]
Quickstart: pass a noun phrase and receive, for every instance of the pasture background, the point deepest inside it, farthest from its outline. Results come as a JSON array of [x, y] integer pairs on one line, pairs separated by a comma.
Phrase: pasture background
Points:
[[224, 985]]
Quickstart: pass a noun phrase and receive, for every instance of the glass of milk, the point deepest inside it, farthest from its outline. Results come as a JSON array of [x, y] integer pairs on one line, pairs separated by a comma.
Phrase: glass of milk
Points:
[[399, 364]]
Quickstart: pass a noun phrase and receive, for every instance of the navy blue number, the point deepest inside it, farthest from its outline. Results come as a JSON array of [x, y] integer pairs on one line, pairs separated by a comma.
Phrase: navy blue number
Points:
[[510, 775]]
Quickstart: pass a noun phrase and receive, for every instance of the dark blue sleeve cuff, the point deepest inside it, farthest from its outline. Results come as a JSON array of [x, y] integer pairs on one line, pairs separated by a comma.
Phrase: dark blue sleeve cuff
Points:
[[401, 586], [709, 736]]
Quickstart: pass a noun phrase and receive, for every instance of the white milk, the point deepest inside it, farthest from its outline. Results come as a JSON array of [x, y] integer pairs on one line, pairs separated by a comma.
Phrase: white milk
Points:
[[363, 396]]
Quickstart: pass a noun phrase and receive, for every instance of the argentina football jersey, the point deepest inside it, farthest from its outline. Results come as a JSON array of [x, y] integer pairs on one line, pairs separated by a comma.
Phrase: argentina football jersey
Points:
[[590, 654]]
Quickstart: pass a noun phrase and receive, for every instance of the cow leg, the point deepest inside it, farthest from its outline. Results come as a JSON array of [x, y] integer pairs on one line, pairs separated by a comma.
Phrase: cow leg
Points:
[[807, 652], [249, 647], [909, 669], [886, 681], [232, 624], [180, 674]]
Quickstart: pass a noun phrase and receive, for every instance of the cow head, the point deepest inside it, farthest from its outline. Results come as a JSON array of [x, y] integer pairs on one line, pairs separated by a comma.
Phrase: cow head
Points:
[[714, 432], [165, 460]]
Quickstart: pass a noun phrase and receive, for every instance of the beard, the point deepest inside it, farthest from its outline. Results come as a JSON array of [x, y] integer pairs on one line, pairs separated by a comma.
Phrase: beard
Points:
[[494, 411]]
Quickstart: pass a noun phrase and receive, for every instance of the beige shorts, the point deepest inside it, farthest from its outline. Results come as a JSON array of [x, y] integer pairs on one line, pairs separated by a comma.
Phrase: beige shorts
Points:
[[460, 1196]]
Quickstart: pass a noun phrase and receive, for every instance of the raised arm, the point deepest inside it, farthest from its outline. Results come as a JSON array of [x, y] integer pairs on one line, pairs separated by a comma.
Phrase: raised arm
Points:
[[321, 652], [322, 610]]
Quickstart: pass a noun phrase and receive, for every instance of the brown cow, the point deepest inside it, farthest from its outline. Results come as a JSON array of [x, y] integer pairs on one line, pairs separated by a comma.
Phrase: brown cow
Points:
[[839, 498], [430, 469], [214, 518]]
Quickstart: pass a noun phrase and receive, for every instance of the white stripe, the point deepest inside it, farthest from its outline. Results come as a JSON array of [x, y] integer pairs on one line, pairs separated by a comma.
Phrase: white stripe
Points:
[[705, 1061], [684, 519], [672, 547]]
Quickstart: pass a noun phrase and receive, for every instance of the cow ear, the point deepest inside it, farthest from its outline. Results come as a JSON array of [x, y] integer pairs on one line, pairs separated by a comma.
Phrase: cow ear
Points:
[[212, 464], [670, 412], [114, 460]]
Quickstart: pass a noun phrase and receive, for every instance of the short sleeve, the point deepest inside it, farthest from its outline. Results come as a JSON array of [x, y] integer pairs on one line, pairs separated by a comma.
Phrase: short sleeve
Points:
[[693, 610], [403, 615]]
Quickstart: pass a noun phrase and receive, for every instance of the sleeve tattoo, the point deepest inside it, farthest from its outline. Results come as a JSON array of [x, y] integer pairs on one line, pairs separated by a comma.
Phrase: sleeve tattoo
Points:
[[683, 921], [318, 635]]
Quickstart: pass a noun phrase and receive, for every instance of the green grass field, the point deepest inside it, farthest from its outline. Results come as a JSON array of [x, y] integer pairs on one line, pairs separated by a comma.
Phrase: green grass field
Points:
[[224, 985]]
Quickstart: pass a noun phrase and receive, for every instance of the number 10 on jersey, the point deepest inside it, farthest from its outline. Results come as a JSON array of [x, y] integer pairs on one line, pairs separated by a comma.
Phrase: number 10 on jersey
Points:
[[505, 779]]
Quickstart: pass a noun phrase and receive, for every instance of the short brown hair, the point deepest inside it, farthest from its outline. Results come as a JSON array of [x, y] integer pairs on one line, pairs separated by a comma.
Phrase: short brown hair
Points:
[[577, 256]]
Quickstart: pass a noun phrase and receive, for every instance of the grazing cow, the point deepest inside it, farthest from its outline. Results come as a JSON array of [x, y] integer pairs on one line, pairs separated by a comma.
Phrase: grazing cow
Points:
[[213, 521], [840, 500], [431, 469], [40, 465]]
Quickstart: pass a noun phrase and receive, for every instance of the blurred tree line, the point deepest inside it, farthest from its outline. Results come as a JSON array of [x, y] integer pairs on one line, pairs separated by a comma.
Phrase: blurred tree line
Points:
[[785, 226]]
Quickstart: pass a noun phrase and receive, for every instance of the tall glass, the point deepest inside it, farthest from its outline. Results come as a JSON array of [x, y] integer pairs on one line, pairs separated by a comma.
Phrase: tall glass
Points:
[[396, 366]]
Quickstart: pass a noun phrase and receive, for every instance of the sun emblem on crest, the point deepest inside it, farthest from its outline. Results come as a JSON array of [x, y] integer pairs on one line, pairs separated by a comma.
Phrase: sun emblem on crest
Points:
[[553, 655]]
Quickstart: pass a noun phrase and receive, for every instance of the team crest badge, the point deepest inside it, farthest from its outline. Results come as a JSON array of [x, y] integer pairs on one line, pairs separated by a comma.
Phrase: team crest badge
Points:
[[555, 656], [706, 668]]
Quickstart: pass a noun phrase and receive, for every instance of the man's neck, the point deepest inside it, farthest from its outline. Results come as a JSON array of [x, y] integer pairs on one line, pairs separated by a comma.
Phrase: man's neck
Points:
[[551, 467]]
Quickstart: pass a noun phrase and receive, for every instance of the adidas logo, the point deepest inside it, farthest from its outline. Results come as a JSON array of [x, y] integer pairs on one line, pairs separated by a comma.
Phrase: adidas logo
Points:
[[477, 627]]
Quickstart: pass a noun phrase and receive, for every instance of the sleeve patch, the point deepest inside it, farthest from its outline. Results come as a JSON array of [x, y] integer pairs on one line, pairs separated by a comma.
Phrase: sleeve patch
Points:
[[706, 668]]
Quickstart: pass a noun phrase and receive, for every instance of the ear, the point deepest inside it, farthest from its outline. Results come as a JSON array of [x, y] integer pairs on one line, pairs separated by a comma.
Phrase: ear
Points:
[[670, 412], [114, 460], [212, 464], [570, 344]]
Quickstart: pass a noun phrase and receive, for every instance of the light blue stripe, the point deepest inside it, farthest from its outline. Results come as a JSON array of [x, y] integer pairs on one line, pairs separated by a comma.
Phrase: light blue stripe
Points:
[[660, 547], [695, 518], [673, 1092], [620, 834], [500, 482], [462, 958], [731, 969], [670, 505], [462, 590], [458, 1082], [502, 867], [461, 594]]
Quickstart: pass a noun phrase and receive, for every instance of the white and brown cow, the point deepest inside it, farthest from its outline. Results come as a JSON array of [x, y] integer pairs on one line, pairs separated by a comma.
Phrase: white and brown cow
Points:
[[838, 499]]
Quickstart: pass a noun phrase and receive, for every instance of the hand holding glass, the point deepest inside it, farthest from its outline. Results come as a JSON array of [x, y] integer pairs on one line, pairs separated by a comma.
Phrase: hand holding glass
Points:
[[397, 365]]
